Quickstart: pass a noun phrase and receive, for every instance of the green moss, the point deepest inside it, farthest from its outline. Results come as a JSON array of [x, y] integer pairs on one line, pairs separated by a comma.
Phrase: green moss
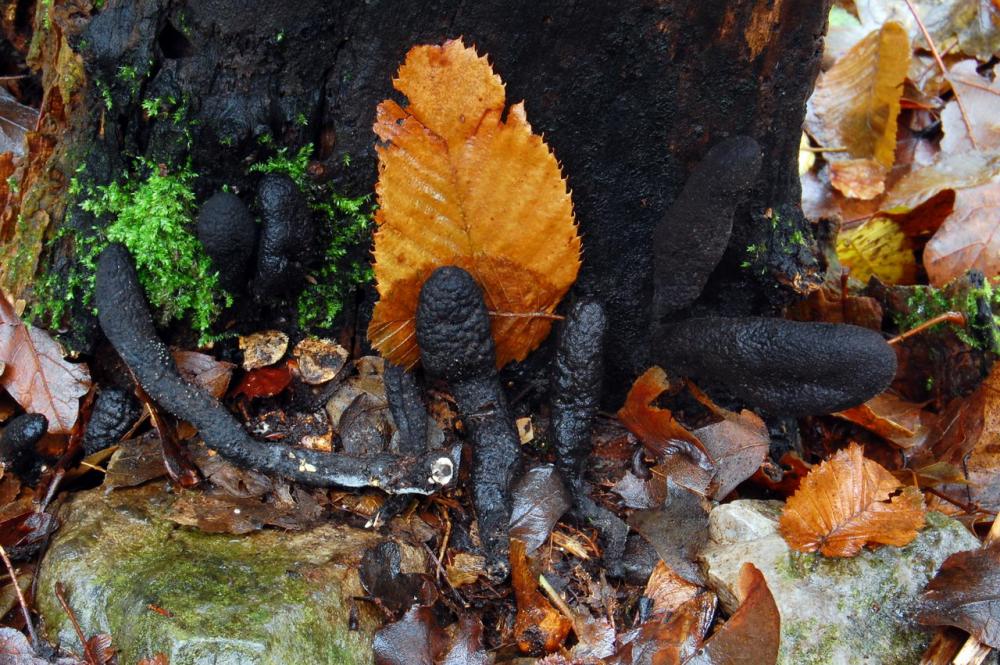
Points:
[[805, 642], [926, 302], [151, 211], [346, 225]]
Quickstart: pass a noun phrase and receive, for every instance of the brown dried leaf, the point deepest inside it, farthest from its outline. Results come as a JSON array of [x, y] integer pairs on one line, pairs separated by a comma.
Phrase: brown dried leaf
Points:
[[980, 99], [158, 659], [672, 642], [668, 590], [964, 594], [892, 418], [465, 568], [738, 444], [204, 371], [855, 104], [16, 120], [416, 639], [459, 186], [540, 499], [849, 501], [656, 427], [538, 626], [969, 238], [264, 382], [753, 634], [677, 530], [37, 374]]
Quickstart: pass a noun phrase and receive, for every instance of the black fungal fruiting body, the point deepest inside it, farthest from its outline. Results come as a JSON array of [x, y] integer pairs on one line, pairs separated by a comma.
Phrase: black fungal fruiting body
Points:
[[578, 370], [113, 415], [691, 238], [229, 234], [286, 232], [124, 316], [17, 443], [453, 333], [408, 410], [784, 367]]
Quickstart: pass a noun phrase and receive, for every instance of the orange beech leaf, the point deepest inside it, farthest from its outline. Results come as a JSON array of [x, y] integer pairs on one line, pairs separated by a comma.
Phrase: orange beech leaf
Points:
[[458, 185], [891, 417], [969, 238], [849, 501], [656, 427], [37, 375], [538, 625]]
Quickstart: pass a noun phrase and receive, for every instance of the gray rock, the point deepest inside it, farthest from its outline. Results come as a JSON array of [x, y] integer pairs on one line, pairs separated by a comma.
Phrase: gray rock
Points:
[[267, 598], [833, 611]]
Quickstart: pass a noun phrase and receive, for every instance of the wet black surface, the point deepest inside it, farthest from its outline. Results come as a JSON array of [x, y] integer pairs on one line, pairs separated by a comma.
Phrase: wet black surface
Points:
[[115, 412]]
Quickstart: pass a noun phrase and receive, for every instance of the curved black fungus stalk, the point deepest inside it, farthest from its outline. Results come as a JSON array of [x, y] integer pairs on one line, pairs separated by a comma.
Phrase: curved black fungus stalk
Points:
[[115, 412], [453, 333], [691, 238], [125, 319], [784, 367], [407, 408], [576, 392], [17, 443], [286, 233], [229, 234]]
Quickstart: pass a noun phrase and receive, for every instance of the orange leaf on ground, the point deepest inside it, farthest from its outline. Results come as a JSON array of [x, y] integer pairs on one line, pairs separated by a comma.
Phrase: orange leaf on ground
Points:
[[854, 106], [37, 375], [890, 417], [538, 625], [656, 427], [849, 501], [668, 590], [752, 634], [980, 99], [460, 186]]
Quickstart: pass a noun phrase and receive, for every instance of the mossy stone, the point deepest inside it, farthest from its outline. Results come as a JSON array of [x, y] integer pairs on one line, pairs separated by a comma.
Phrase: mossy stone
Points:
[[267, 598]]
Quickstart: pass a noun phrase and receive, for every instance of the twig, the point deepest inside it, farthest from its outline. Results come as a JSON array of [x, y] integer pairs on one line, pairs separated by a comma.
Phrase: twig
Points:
[[822, 149], [556, 598], [944, 72], [20, 596], [61, 597], [956, 318]]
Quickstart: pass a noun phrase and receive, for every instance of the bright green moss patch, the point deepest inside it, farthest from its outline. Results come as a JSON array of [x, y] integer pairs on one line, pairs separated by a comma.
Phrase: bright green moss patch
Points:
[[151, 213], [926, 302]]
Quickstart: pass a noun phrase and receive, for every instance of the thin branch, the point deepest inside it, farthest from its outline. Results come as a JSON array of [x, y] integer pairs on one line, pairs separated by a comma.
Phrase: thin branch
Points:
[[20, 596], [944, 71], [527, 315], [61, 597], [956, 318]]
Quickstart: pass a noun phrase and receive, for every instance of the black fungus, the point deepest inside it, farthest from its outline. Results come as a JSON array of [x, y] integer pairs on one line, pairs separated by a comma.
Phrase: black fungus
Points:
[[286, 234], [453, 333], [786, 368], [408, 410], [126, 321], [17, 444], [115, 412], [691, 238], [578, 369], [229, 234]]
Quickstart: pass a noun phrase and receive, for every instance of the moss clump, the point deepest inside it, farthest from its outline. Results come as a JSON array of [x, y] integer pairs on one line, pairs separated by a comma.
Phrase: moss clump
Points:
[[345, 226], [151, 214], [926, 302]]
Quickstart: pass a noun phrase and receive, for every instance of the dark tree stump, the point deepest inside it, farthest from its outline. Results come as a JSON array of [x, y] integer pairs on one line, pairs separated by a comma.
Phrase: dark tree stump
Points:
[[629, 97]]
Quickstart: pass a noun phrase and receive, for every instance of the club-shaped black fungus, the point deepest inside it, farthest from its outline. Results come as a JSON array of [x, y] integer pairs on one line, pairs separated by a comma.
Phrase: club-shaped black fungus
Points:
[[286, 232], [17, 443], [407, 408], [115, 412], [576, 391], [783, 367], [229, 234], [453, 333], [125, 319], [691, 238]]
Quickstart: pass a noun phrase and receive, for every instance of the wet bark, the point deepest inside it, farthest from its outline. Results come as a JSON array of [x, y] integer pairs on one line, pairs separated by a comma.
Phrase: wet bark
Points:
[[629, 95]]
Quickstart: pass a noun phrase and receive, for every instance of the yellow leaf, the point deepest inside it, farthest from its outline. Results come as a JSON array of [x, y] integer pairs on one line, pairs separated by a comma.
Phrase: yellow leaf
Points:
[[855, 103], [880, 248], [460, 186]]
